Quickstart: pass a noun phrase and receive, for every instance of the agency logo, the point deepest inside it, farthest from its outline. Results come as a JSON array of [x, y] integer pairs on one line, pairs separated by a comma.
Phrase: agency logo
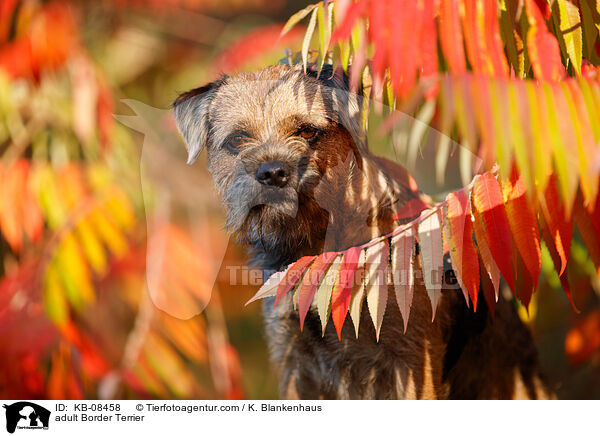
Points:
[[26, 415]]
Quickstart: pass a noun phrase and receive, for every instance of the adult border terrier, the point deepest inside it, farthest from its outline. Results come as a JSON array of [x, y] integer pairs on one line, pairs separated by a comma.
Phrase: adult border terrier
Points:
[[291, 163]]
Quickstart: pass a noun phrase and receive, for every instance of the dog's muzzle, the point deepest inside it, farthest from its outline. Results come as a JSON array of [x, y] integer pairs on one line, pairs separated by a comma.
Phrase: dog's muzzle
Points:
[[273, 174]]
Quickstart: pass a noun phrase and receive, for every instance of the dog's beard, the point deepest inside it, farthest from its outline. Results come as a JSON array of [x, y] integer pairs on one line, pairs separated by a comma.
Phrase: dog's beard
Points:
[[271, 216]]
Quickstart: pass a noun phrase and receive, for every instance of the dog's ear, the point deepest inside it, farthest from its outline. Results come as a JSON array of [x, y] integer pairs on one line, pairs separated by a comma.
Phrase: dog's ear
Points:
[[191, 116]]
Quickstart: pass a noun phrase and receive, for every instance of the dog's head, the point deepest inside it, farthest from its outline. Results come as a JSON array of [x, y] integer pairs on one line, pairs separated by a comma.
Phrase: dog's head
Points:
[[272, 138]]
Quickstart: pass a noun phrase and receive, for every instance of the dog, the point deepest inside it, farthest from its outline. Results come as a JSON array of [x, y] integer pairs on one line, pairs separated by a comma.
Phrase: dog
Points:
[[290, 160]]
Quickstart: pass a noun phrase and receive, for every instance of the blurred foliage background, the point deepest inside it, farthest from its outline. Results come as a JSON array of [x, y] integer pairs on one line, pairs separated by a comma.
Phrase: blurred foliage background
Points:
[[110, 246]]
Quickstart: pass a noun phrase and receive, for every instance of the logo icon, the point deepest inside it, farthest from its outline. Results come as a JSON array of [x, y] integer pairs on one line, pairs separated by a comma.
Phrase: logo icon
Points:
[[26, 415]]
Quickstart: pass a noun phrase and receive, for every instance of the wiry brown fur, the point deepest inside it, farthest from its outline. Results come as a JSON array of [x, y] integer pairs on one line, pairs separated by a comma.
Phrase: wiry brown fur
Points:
[[338, 196]]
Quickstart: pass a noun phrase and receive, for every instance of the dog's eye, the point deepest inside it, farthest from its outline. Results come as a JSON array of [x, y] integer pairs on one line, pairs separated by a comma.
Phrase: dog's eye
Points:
[[307, 132], [235, 141]]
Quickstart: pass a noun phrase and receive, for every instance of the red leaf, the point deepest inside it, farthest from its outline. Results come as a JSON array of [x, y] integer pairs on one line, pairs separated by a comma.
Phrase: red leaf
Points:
[[523, 225], [340, 297], [411, 210], [427, 53], [402, 49], [557, 260], [487, 199], [378, 34], [487, 288], [460, 242], [291, 277], [524, 284], [542, 47], [544, 8], [311, 281], [254, 45], [494, 44], [354, 12], [474, 41], [560, 230], [451, 36]]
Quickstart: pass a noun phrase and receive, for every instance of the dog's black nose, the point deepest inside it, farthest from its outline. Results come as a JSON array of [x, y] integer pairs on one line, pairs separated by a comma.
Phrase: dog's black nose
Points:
[[273, 174]]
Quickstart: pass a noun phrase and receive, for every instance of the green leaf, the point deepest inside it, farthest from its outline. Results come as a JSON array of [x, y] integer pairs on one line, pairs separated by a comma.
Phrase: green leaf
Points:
[[570, 26], [296, 18], [308, 37]]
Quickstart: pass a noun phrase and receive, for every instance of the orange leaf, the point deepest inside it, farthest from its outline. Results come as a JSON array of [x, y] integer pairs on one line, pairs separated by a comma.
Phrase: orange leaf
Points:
[[354, 12], [557, 260], [402, 49], [488, 289], [523, 225], [378, 34], [311, 281], [291, 277], [340, 297], [451, 36], [475, 38], [542, 46], [494, 44], [459, 234], [488, 203], [560, 230], [428, 58]]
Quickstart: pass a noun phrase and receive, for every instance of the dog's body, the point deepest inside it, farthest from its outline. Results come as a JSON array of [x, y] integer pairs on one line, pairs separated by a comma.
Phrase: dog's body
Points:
[[290, 161]]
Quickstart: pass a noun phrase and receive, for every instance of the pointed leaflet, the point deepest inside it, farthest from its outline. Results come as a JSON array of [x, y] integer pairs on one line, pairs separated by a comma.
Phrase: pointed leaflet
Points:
[[430, 243], [459, 235], [493, 272], [523, 225], [560, 229], [311, 281], [494, 44], [402, 249], [474, 40], [379, 36], [451, 35], [522, 136], [586, 145], [427, 53], [488, 289], [542, 159], [564, 150], [355, 11], [556, 260], [542, 46], [358, 294], [487, 201], [324, 290], [482, 37], [296, 18], [570, 26], [325, 20], [524, 285], [402, 49], [481, 94], [376, 284], [342, 291], [291, 276], [308, 37]]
